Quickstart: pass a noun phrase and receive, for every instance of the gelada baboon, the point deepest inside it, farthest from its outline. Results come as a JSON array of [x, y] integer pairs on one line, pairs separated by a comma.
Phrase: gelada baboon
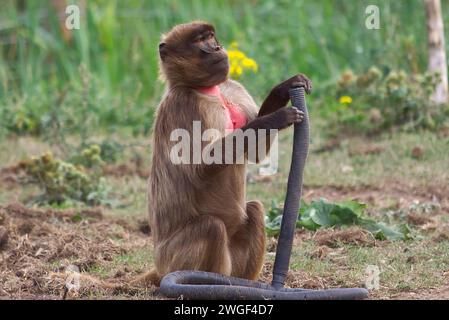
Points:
[[199, 216]]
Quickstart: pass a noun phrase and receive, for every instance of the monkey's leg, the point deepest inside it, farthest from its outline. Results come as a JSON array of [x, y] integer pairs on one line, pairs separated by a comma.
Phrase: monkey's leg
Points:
[[201, 245], [248, 244]]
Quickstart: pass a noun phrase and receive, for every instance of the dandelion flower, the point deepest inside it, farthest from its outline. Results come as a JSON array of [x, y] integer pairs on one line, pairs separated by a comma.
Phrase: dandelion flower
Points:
[[236, 71], [236, 55], [232, 70], [250, 64], [345, 100], [239, 62], [239, 70]]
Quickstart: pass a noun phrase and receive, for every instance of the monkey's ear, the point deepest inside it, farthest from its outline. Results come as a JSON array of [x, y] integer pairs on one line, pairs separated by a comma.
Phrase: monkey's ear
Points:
[[162, 50]]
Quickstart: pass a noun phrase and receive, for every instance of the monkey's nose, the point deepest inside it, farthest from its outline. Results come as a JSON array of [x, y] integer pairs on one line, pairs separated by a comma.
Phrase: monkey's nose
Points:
[[217, 48]]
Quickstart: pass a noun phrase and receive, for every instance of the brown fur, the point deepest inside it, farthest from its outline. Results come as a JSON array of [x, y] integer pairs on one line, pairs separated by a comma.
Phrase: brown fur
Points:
[[199, 214], [195, 217]]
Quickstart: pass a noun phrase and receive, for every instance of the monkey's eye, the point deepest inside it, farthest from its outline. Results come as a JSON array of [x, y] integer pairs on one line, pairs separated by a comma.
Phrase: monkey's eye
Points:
[[200, 38]]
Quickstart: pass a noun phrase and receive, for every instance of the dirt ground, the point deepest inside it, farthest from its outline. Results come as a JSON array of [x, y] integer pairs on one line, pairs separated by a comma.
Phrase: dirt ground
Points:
[[39, 246]]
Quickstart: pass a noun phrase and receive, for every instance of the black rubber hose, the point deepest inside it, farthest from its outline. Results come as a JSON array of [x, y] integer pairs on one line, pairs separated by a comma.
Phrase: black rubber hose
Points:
[[205, 285], [200, 285], [294, 190]]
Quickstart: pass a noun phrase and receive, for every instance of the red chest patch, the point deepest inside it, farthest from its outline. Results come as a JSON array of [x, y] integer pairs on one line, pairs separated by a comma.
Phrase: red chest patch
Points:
[[236, 118]]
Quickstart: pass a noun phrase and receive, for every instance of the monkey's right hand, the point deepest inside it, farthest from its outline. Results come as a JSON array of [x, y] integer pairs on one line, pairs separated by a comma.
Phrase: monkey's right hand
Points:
[[287, 116]]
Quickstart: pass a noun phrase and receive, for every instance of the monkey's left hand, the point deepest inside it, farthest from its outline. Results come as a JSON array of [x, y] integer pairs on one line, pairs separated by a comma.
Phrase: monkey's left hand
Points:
[[282, 89], [279, 95]]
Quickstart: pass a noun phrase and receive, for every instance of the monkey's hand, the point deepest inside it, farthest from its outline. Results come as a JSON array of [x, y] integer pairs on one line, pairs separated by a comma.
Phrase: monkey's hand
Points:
[[282, 89], [287, 116], [279, 95], [279, 119]]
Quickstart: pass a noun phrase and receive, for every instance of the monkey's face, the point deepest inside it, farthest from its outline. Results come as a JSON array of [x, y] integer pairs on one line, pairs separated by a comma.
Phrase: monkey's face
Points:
[[191, 55]]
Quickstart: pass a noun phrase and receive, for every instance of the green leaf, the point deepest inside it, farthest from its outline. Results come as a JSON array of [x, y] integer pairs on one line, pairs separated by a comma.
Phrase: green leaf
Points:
[[308, 224], [320, 213], [324, 214], [357, 207], [381, 231], [274, 211], [273, 227], [389, 233]]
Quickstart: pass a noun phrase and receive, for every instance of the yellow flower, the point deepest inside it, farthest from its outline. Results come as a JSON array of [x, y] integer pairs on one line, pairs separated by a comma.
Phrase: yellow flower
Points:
[[232, 72], [250, 64], [239, 62], [235, 55], [238, 70], [235, 71], [345, 100]]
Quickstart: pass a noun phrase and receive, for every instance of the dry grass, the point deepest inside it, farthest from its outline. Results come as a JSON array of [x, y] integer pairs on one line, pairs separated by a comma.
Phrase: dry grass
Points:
[[335, 238], [37, 244]]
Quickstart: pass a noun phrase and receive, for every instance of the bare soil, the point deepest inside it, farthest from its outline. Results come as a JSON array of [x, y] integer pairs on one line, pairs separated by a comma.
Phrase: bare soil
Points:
[[37, 246]]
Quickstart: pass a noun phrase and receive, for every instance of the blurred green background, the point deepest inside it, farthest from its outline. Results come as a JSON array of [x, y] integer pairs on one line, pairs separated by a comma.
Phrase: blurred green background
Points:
[[105, 74]]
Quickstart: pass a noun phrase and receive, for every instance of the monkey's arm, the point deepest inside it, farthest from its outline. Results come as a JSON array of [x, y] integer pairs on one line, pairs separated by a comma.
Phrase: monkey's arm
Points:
[[236, 92], [279, 95], [247, 142]]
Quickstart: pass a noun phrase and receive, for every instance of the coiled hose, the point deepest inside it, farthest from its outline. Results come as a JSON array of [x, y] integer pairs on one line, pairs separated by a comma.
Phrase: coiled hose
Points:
[[199, 285]]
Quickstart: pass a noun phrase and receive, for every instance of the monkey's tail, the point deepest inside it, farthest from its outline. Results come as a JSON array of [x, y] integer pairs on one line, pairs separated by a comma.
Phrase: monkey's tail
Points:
[[147, 279], [85, 281]]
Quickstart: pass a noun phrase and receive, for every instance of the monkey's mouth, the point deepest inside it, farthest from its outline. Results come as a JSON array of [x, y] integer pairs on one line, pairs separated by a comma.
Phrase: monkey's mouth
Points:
[[222, 59]]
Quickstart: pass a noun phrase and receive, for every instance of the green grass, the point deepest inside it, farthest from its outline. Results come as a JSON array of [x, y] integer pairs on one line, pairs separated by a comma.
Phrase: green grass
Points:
[[404, 266], [393, 167], [138, 260], [117, 45]]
